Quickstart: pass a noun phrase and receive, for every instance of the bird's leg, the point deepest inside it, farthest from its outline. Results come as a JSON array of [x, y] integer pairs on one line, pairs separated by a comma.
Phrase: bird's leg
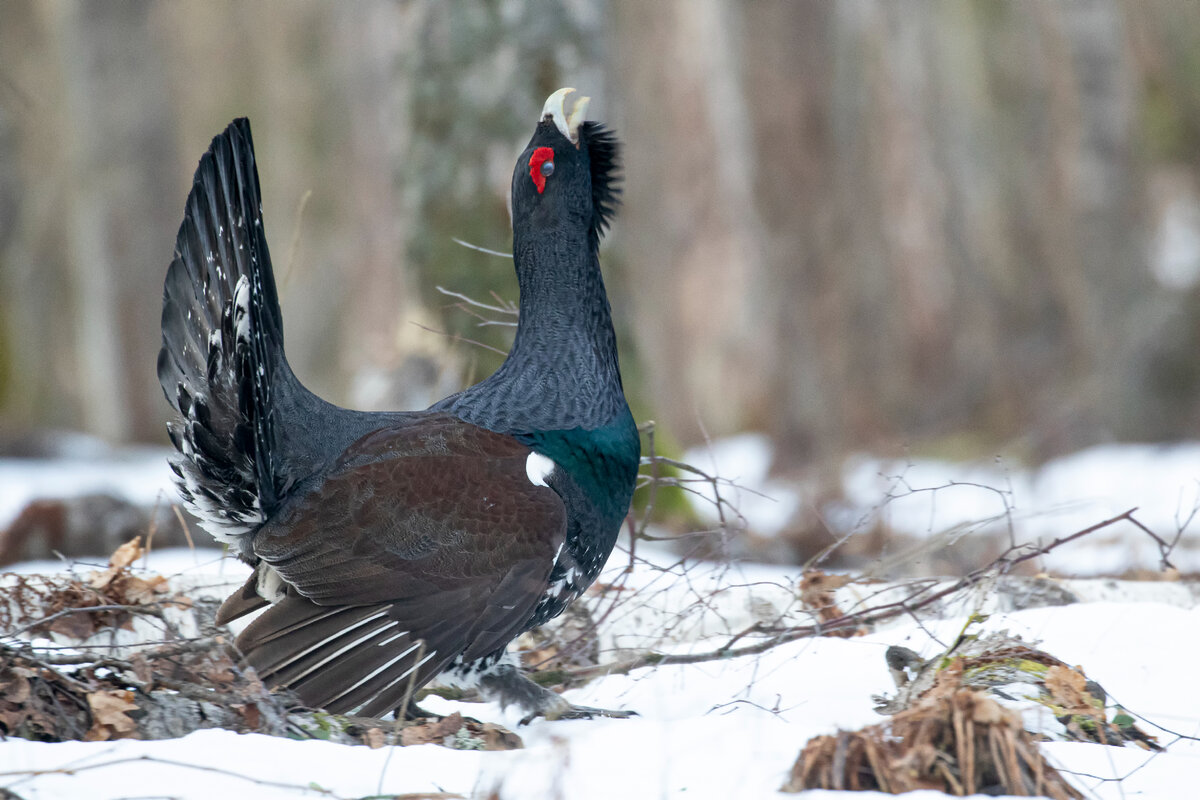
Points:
[[507, 685]]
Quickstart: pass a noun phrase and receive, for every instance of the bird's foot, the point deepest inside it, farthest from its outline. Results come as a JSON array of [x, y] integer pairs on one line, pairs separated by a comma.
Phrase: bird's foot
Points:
[[571, 711], [509, 686]]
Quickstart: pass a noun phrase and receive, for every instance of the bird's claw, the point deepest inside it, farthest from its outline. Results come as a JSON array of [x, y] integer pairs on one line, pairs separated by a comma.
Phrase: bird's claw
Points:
[[577, 712]]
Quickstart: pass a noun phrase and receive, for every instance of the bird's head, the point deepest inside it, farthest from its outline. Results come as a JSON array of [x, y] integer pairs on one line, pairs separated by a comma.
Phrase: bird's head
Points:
[[568, 173]]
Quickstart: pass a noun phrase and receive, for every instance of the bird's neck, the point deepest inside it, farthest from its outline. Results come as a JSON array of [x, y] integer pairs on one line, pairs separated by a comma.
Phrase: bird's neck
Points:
[[564, 313], [562, 370]]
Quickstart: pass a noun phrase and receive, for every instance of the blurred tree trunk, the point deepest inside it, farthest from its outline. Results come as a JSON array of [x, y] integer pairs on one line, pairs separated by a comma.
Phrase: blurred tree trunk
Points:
[[92, 239], [876, 223], [398, 121], [850, 225], [690, 214], [117, 227]]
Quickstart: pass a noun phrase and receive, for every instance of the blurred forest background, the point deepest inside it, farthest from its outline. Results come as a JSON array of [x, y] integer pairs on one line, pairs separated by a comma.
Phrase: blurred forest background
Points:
[[948, 226]]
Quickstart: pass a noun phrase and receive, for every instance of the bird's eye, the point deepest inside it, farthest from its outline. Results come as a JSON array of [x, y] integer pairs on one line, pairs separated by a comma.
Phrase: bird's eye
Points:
[[547, 168]]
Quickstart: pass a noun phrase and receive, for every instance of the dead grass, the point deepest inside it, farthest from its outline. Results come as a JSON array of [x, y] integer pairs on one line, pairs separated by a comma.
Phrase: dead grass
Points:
[[955, 740]]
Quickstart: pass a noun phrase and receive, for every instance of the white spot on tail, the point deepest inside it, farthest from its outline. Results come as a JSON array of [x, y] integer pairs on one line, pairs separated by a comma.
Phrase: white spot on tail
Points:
[[241, 309], [270, 585], [538, 468]]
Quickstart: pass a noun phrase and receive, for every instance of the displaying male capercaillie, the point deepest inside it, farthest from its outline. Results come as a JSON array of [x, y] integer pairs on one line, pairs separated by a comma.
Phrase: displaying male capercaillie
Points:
[[393, 547]]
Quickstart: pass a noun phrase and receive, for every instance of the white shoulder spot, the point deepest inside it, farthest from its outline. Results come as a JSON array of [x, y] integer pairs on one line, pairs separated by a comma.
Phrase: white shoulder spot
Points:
[[538, 468]]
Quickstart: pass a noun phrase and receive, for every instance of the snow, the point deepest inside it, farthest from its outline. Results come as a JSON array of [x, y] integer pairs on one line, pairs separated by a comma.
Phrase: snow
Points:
[[922, 497], [137, 474], [742, 463], [719, 729], [1066, 495]]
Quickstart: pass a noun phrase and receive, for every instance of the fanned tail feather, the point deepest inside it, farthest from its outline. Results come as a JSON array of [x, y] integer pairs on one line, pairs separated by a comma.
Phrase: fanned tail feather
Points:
[[222, 354]]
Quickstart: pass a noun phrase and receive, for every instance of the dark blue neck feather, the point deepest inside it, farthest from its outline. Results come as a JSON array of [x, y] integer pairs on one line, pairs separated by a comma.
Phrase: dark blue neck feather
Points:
[[562, 371]]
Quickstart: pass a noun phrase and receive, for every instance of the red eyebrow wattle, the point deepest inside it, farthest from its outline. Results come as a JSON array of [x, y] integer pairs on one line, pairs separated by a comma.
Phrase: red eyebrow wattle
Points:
[[540, 156]]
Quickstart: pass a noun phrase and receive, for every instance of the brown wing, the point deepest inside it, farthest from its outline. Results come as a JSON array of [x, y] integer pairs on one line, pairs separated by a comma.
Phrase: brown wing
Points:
[[424, 542]]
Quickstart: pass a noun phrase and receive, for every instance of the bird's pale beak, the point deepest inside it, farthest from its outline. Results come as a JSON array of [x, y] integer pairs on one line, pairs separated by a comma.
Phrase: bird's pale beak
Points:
[[555, 110]]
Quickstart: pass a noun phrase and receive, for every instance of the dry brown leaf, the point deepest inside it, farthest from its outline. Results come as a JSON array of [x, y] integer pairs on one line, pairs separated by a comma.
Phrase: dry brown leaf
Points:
[[374, 738], [817, 588], [142, 591], [77, 626], [14, 687], [826, 581], [141, 667], [447, 725], [221, 672], [1068, 689], [818, 594], [109, 717], [250, 713], [417, 734], [102, 578], [127, 553], [11, 718], [121, 558], [433, 731], [498, 738]]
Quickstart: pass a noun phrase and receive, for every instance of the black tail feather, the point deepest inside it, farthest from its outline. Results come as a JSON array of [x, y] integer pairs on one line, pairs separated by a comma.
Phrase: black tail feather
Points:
[[222, 356]]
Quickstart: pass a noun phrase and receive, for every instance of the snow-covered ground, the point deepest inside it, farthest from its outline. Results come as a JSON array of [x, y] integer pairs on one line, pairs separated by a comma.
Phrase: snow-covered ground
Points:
[[137, 474], [920, 498], [722, 729]]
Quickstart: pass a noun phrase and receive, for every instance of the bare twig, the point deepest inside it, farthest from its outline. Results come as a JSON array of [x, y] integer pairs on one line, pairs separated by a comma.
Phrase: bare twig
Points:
[[921, 597], [149, 609], [294, 242], [454, 337], [470, 246], [1164, 549], [1041, 551], [187, 531], [73, 770], [500, 307]]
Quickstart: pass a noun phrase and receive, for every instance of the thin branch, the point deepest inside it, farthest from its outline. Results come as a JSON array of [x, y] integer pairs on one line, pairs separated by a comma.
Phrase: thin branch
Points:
[[1041, 551], [922, 597], [170, 762], [454, 337], [470, 246], [166, 650], [294, 244], [149, 609], [1163, 548], [505, 307]]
